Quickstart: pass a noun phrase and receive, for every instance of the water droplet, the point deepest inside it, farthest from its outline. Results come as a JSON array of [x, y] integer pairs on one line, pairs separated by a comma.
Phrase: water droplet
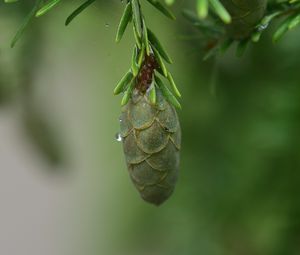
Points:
[[262, 27], [120, 119], [106, 25], [118, 137]]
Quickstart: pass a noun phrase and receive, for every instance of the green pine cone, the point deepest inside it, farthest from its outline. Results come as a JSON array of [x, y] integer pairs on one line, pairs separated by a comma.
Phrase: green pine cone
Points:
[[151, 138], [245, 14]]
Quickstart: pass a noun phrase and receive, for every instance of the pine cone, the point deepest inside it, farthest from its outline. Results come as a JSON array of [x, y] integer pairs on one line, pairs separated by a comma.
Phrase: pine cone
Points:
[[245, 16], [151, 138]]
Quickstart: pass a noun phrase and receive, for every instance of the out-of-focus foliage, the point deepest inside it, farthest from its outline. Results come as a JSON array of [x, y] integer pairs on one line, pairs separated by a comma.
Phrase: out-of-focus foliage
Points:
[[35, 124], [249, 19]]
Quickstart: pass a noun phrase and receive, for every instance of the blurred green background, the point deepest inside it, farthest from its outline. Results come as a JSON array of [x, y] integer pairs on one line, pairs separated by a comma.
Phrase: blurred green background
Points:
[[64, 187]]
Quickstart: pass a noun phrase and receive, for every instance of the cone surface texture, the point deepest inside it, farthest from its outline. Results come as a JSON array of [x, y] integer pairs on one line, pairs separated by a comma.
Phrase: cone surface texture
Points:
[[151, 137]]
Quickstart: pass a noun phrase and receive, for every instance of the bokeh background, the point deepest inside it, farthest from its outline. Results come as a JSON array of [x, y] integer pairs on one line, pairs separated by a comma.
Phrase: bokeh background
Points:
[[64, 187]]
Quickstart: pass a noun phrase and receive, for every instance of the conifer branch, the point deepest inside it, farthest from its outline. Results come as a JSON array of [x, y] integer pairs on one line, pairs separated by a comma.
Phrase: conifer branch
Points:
[[148, 51], [241, 24]]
